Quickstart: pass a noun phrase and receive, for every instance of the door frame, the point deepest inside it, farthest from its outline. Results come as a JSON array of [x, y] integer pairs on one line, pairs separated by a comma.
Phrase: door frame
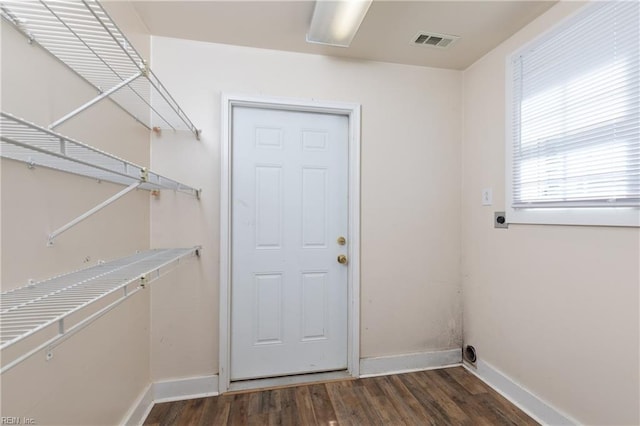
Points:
[[352, 112]]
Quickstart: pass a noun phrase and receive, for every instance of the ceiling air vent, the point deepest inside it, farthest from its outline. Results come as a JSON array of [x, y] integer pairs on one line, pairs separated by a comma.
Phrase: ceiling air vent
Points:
[[441, 41]]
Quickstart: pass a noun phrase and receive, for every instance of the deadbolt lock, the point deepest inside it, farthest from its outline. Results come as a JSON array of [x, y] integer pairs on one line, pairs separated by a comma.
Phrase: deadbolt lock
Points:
[[342, 259], [342, 241]]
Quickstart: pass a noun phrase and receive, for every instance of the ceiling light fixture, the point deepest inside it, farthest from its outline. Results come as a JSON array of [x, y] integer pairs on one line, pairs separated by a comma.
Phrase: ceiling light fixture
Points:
[[336, 22]]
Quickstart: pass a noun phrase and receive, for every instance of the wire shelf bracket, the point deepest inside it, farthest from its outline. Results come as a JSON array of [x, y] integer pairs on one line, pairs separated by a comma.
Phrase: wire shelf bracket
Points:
[[94, 101], [96, 209], [34, 145], [83, 36], [31, 309]]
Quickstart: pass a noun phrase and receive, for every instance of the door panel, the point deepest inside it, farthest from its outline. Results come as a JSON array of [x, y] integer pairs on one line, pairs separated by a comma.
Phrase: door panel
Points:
[[289, 206], [314, 207]]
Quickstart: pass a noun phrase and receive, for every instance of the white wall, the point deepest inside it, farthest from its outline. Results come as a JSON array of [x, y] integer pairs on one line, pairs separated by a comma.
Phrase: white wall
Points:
[[553, 307], [410, 283], [94, 376]]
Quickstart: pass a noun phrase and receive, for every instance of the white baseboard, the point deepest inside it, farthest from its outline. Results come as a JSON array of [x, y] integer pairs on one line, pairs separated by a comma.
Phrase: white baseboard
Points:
[[384, 365], [194, 387], [521, 397], [141, 408], [170, 390]]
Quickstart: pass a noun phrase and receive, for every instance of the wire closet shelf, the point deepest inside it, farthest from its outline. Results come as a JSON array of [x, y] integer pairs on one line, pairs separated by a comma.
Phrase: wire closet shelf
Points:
[[83, 36], [27, 310], [37, 146]]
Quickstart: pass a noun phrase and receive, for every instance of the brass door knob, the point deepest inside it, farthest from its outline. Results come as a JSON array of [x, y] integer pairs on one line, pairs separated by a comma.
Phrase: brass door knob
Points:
[[342, 259]]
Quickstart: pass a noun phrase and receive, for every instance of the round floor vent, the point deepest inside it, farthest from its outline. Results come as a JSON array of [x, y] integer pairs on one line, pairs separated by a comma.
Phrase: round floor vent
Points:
[[470, 354]]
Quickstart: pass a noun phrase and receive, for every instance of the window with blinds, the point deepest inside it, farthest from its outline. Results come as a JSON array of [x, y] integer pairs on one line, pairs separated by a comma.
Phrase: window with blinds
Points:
[[576, 113]]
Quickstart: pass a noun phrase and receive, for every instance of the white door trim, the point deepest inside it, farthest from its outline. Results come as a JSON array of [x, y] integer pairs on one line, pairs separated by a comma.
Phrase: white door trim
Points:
[[350, 110]]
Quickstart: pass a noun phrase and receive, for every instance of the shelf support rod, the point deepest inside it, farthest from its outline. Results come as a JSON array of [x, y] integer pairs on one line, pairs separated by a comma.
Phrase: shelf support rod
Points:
[[95, 100], [97, 208]]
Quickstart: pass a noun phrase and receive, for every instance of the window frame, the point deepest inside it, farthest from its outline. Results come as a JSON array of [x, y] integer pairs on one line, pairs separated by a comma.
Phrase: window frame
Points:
[[585, 216]]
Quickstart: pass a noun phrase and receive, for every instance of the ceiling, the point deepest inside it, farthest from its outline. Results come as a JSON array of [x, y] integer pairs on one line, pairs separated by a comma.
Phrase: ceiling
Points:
[[385, 34]]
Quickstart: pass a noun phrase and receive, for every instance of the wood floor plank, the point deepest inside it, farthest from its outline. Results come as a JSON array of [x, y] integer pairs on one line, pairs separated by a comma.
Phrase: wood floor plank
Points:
[[322, 406], [402, 397], [342, 402], [441, 408], [482, 405], [436, 414], [383, 406], [405, 412], [447, 383], [367, 414], [473, 405], [438, 397], [304, 404], [466, 380], [258, 419], [458, 394], [495, 402], [172, 415], [350, 403], [215, 411], [256, 404], [273, 401], [192, 412], [489, 409], [288, 410], [159, 411], [238, 410]]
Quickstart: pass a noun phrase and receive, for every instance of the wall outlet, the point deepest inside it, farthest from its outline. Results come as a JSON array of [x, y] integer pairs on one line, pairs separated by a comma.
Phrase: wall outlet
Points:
[[500, 220], [487, 196]]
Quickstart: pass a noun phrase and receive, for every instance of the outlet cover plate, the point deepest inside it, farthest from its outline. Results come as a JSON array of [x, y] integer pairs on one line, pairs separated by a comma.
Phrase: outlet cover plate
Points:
[[497, 223], [487, 196]]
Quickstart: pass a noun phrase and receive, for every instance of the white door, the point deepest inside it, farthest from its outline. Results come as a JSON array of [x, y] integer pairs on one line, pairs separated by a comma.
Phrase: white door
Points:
[[289, 208]]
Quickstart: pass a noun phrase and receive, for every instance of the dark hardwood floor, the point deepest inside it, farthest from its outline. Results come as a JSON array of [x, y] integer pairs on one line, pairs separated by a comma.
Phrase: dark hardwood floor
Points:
[[451, 396]]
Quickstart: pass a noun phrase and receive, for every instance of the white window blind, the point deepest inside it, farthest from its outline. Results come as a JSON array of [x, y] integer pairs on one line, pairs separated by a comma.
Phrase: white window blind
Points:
[[576, 112]]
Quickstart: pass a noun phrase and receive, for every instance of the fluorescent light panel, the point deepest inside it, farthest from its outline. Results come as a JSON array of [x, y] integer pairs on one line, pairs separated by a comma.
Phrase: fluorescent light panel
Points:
[[336, 22]]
